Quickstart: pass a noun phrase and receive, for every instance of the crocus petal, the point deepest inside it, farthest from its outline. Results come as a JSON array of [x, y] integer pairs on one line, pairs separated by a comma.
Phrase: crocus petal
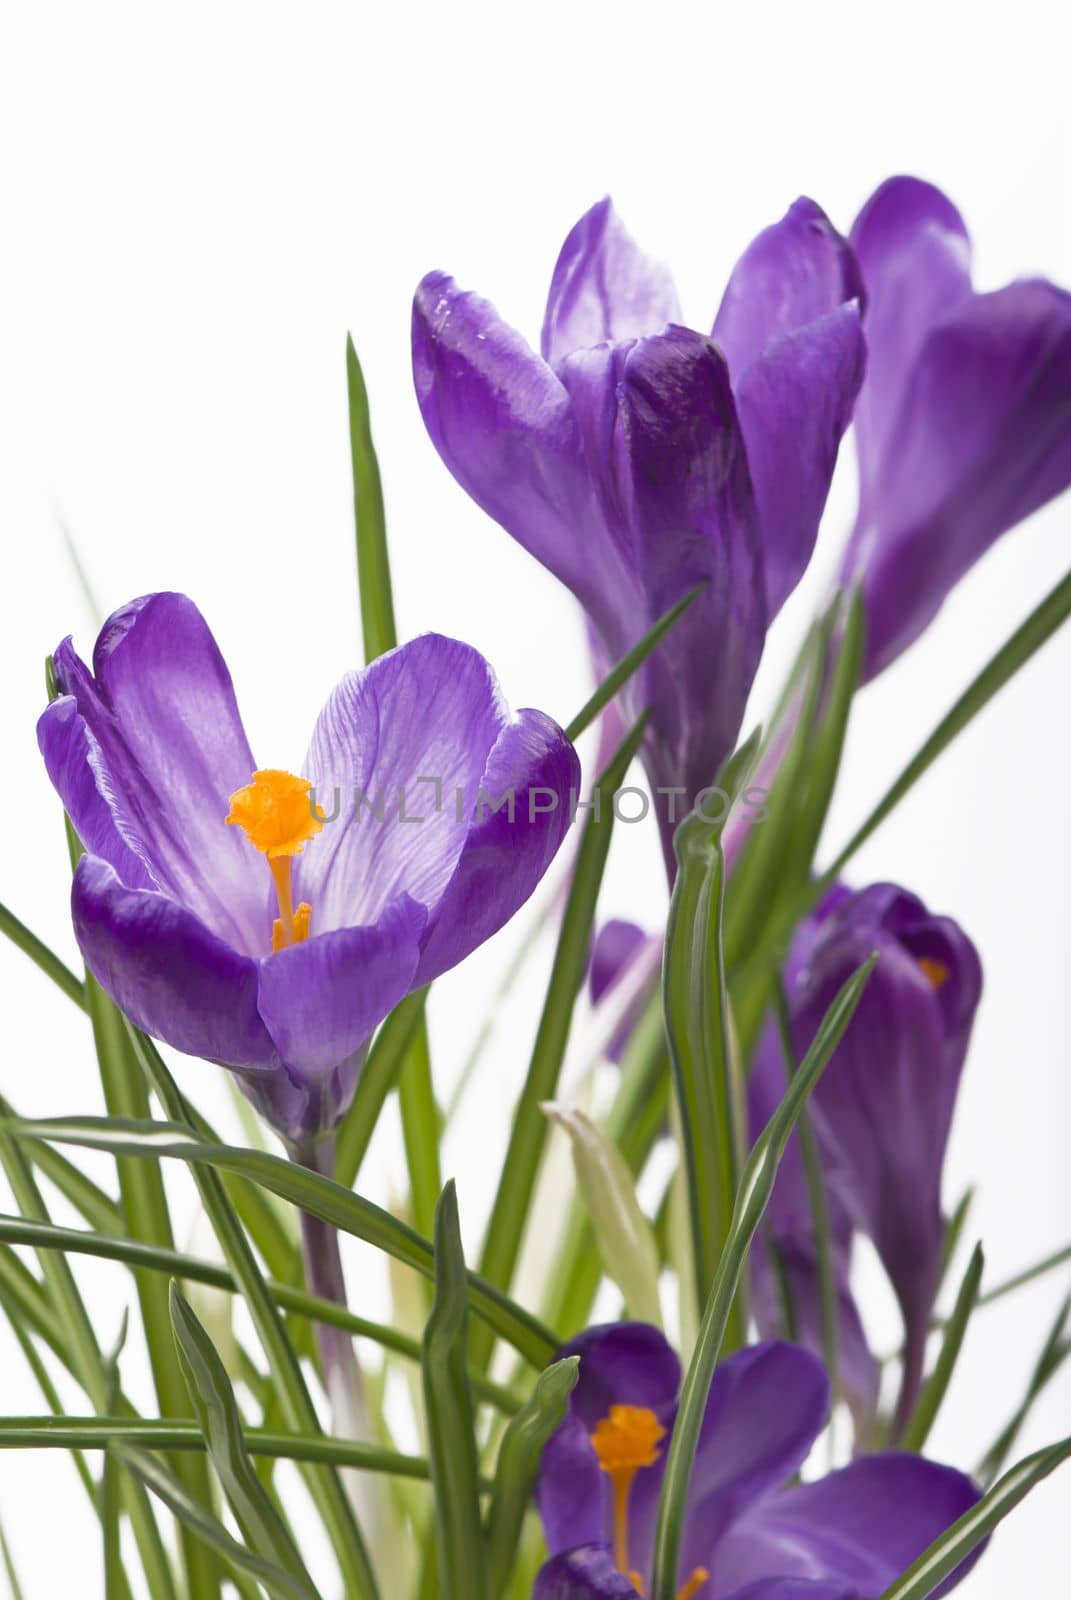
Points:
[[170, 974], [160, 706], [981, 440], [861, 1526], [502, 422], [429, 711], [662, 438], [531, 779], [914, 253], [604, 287], [795, 401], [76, 767], [572, 1493], [794, 1589], [322, 999], [793, 273], [616, 946], [586, 1574]]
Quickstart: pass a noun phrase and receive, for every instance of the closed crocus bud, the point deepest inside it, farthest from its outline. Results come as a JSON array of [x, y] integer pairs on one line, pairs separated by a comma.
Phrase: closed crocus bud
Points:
[[883, 1108], [963, 425]]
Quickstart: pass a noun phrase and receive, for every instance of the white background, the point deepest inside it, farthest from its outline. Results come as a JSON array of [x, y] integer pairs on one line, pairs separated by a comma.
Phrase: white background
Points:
[[197, 202]]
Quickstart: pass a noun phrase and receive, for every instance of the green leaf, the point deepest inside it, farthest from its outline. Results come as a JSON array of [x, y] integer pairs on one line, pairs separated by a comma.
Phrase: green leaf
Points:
[[448, 1409], [753, 1194], [957, 1542], [378, 1077], [1029, 1274], [512, 1204], [116, 1586], [313, 1193], [31, 945], [207, 1527], [929, 1403], [9, 1568], [623, 1233], [221, 1424], [1054, 1353], [421, 1121], [697, 1023], [518, 1463], [373, 565], [619, 675]]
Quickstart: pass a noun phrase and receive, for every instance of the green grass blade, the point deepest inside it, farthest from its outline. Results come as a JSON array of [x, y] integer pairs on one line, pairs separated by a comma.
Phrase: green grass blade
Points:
[[31, 945], [629, 664], [1030, 1274], [448, 1410], [953, 1233], [957, 1542], [929, 1403], [512, 1204], [115, 1579], [379, 1075], [756, 1186], [1024, 643], [373, 565], [221, 1424], [421, 1121], [518, 1463], [9, 1568], [1054, 1353], [313, 1193]]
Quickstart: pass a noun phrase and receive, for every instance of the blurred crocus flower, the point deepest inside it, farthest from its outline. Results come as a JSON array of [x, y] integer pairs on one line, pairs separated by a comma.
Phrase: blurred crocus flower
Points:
[[748, 1533], [637, 459], [964, 421], [277, 944], [881, 1112]]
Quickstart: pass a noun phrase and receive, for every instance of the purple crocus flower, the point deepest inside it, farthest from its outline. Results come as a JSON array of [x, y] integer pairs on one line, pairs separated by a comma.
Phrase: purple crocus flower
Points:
[[881, 1112], [748, 1534], [964, 422], [276, 945], [637, 459]]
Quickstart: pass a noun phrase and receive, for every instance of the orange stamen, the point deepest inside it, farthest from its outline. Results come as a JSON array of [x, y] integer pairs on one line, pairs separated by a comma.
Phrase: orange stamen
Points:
[[694, 1584], [936, 971], [274, 813]]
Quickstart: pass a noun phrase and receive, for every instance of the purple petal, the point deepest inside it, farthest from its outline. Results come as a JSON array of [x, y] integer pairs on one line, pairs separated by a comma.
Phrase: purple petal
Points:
[[573, 1492], [430, 710], [322, 999], [914, 253], [76, 767], [795, 401], [604, 287], [503, 424], [170, 974], [504, 855], [587, 1574], [794, 1589], [161, 709], [861, 1526], [616, 946], [982, 439], [794, 273]]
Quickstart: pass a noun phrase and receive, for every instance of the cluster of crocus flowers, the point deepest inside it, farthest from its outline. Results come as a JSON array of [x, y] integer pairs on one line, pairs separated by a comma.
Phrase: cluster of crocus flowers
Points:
[[230, 913], [750, 1532]]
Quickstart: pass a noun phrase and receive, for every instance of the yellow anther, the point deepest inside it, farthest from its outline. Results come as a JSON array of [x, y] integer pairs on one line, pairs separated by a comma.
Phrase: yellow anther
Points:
[[624, 1441], [694, 1584], [277, 819], [936, 971]]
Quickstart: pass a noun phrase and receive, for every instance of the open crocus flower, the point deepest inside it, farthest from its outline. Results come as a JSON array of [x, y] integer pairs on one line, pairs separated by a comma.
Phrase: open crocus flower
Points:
[[637, 459], [964, 422], [748, 1533], [881, 1111], [227, 911]]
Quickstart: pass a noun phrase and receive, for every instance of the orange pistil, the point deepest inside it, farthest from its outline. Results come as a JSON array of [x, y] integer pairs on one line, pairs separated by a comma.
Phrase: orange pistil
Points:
[[936, 971], [625, 1441], [274, 813]]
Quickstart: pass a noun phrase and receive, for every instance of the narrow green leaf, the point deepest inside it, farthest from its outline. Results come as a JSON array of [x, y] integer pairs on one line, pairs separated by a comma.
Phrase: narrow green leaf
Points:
[[756, 1186], [826, 747], [115, 1580], [208, 1528], [512, 1204], [421, 1121], [221, 1424], [373, 565], [929, 1403], [1054, 1353], [623, 1233], [619, 675], [518, 1463], [31, 945], [957, 1542], [379, 1076], [1029, 1274], [1024, 643], [309, 1190], [953, 1233], [448, 1409], [9, 1567]]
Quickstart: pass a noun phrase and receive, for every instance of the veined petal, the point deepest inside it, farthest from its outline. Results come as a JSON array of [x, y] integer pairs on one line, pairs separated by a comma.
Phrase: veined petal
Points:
[[794, 273], [76, 767], [531, 777], [430, 710], [587, 1573], [502, 422], [861, 1526], [170, 974], [795, 1589], [161, 709], [604, 287]]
